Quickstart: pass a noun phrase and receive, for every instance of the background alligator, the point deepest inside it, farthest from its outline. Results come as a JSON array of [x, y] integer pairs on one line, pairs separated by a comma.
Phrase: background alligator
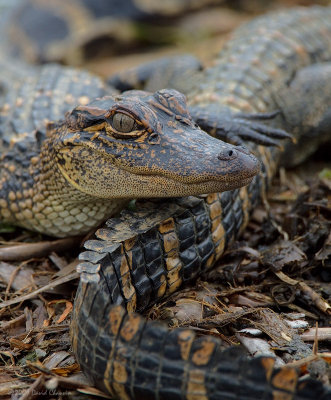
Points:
[[75, 31], [171, 244]]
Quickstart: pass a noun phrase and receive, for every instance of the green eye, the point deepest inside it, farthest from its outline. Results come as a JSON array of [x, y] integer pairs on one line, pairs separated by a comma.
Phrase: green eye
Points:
[[123, 123]]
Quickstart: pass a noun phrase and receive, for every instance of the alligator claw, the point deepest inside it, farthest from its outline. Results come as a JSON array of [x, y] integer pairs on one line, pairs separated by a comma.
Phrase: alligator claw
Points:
[[235, 128], [260, 133], [254, 135], [260, 116]]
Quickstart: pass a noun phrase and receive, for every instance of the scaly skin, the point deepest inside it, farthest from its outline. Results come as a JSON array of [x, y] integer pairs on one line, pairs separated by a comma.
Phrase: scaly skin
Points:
[[168, 245], [146, 255], [65, 178], [27, 196]]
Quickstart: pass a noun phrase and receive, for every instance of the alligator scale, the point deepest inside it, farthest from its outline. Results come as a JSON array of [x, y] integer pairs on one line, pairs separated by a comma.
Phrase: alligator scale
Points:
[[63, 176]]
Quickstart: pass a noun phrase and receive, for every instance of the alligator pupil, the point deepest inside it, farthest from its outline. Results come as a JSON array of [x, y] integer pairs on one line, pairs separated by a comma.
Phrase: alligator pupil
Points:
[[123, 123]]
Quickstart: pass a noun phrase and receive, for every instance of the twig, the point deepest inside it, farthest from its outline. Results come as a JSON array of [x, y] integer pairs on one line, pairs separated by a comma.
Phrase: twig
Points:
[[51, 285]]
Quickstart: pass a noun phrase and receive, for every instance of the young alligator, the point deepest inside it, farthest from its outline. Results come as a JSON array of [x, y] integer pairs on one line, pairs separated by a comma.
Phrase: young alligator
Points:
[[48, 183], [71, 178], [277, 62]]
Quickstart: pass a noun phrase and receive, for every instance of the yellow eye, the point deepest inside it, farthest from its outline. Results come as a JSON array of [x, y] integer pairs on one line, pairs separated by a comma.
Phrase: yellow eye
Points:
[[123, 123]]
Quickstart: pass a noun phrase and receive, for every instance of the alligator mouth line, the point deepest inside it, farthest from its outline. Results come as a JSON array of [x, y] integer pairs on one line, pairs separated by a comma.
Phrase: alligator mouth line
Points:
[[234, 184], [238, 183], [226, 182]]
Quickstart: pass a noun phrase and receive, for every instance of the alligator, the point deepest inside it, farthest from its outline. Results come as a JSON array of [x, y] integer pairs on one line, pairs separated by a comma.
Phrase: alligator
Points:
[[51, 179], [59, 177]]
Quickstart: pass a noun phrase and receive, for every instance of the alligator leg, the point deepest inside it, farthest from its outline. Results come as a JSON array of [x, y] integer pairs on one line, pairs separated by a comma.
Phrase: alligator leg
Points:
[[235, 128]]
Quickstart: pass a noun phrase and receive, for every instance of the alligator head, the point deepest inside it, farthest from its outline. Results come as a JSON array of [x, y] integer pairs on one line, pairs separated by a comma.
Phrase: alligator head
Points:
[[139, 144]]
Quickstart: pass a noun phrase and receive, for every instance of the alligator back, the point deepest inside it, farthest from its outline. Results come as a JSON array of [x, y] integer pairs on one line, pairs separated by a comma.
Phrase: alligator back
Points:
[[32, 99], [146, 255], [263, 56]]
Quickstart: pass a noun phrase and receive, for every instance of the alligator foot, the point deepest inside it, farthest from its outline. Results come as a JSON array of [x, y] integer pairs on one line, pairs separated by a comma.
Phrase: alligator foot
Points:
[[235, 128]]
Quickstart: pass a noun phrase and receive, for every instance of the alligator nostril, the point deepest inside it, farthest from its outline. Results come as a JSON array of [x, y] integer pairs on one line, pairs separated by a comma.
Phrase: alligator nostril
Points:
[[226, 154]]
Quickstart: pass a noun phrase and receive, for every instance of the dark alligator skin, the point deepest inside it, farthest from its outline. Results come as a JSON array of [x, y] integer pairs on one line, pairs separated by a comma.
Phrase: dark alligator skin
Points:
[[146, 255]]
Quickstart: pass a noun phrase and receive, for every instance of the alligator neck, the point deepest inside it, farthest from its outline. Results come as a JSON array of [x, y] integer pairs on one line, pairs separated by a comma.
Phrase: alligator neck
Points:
[[49, 204]]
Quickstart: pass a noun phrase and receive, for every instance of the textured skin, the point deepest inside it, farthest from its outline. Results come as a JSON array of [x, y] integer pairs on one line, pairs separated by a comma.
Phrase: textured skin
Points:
[[50, 178], [27, 196], [146, 255], [76, 30]]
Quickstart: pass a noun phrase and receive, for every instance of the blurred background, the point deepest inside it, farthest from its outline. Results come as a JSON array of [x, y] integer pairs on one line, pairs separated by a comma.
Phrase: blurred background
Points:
[[107, 36]]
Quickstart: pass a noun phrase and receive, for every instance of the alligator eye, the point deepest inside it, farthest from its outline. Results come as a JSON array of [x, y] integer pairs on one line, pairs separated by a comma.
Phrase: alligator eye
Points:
[[123, 123]]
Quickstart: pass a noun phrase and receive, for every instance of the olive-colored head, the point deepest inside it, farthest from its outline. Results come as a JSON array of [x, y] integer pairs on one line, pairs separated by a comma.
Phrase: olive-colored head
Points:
[[140, 144]]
